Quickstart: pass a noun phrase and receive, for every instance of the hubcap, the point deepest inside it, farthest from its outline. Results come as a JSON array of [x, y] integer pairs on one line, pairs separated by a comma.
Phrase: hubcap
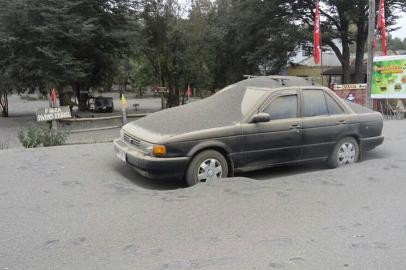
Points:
[[346, 153], [209, 170]]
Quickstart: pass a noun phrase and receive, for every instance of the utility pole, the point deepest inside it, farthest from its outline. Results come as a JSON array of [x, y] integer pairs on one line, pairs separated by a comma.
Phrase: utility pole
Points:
[[371, 37]]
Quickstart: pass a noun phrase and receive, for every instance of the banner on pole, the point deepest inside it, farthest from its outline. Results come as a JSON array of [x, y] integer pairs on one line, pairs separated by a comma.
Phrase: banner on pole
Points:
[[389, 77]]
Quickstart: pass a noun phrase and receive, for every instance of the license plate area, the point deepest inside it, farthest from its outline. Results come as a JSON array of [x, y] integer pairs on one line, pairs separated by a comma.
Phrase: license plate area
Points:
[[121, 156]]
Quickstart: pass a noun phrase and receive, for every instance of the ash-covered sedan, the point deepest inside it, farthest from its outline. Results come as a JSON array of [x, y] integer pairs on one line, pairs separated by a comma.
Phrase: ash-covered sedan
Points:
[[253, 124]]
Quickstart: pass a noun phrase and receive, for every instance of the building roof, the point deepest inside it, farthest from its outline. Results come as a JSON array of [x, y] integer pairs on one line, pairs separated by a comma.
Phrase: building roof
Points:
[[328, 59]]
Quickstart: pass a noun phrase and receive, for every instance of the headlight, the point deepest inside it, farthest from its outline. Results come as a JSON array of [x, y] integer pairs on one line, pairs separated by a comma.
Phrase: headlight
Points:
[[159, 150], [156, 150]]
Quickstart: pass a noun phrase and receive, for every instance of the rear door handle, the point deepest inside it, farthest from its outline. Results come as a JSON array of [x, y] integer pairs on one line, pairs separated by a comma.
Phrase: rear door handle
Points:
[[342, 121], [294, 126]]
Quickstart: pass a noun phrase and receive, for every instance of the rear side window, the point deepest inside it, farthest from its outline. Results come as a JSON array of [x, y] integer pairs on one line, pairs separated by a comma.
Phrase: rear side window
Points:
[[283, 107], [314, 103], [332, 106]]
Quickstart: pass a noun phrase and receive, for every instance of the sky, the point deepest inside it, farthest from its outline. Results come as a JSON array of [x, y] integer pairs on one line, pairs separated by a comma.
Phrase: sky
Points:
[[401, 33]]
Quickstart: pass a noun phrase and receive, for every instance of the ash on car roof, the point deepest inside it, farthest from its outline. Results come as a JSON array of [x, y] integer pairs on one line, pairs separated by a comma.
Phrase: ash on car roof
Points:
[[219, 110]]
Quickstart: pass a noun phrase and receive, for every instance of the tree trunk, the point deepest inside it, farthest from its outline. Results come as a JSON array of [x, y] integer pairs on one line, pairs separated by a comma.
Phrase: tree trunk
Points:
[[173, 99], [82, 98], [64, 98], [4, 103], [345, 63], [346, 73], [343, 57], [360, 50]]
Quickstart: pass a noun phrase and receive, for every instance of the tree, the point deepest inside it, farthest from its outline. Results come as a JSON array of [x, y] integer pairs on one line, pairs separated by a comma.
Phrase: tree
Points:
[[396, 43], [346, 21], [52, 43], [260, 36]]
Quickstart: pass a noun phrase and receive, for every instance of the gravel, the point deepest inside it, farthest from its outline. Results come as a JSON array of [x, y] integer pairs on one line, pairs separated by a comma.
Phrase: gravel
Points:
[[78, 207]]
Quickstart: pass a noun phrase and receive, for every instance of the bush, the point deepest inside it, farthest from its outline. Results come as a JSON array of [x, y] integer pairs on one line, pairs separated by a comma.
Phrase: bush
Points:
[[38, 136]]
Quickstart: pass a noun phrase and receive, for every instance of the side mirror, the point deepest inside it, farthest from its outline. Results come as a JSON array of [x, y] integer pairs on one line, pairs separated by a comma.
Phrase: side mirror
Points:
[[260, 118]]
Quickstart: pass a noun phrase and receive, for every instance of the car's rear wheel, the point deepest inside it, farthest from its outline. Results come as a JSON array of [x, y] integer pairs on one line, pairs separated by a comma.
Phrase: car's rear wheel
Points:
[[345, 152], [207, 166]]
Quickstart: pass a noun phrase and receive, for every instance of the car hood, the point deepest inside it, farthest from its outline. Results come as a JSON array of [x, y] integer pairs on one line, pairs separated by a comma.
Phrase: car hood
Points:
[[217, 111]]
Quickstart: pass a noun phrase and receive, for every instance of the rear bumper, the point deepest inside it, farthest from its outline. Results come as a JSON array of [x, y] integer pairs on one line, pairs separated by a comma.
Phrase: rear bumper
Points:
[[152, 167], [370, 143]]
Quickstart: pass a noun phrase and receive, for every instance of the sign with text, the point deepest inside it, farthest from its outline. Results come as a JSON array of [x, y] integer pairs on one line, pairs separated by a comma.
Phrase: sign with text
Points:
[[356, 93], [355, 86], [49, 114], [389, 77]]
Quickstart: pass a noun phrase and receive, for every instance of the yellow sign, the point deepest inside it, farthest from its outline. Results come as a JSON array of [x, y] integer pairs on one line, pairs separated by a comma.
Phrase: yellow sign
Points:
[[123, 101]]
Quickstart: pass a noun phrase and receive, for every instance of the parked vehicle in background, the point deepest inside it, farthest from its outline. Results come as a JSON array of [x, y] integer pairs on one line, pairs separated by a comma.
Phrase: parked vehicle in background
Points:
[[253, 124], [101, 104]]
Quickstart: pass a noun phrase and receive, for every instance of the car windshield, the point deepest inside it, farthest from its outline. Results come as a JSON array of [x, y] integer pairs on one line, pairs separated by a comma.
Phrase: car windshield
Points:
[[251, 97]]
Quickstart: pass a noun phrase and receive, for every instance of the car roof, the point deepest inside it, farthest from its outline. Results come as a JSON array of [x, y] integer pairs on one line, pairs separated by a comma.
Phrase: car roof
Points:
[[273, 82], [225, 108]]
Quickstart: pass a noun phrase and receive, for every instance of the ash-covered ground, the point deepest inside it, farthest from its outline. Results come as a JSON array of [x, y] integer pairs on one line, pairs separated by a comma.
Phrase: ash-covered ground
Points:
[[78, 207], [22, 116]]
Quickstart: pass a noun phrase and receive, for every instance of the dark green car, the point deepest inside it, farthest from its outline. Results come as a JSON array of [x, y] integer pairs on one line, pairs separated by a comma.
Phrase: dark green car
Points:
[[253, 124]]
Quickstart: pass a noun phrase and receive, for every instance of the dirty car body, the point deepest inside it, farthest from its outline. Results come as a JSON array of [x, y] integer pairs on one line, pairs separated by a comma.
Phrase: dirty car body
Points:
[[256, 123]]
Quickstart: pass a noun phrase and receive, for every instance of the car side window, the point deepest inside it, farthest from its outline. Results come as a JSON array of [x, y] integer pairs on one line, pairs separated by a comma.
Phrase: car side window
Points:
[[314, 103], [332, 106], [283, 107]]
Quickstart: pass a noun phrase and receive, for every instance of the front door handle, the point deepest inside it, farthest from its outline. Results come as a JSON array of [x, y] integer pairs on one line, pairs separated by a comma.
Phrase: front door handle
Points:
[[342, 121], [294, 126]]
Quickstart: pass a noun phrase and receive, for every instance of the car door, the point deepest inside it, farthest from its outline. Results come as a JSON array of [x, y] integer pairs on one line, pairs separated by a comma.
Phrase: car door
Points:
[[280, 139], [324, 122]]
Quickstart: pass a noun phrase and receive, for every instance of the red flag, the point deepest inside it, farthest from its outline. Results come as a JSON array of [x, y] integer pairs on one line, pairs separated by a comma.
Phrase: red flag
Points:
[[380, 24], [316, 35], [52, 96], [189, 91]]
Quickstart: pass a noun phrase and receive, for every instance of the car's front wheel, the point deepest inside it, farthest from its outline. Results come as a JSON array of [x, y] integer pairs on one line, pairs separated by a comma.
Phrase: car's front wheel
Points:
[[346, 151], [207, 166]]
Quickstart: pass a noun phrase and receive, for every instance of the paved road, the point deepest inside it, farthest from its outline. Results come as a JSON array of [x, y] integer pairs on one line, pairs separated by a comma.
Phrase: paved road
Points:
[[77, 207]]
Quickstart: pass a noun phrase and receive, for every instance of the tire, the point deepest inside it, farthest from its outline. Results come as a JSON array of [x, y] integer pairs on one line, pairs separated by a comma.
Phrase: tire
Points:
[[345, 152], [207, 166]]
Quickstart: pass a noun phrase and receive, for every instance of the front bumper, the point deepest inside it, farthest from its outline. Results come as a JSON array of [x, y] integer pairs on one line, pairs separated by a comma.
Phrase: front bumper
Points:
[[152, 167], [370, 143]]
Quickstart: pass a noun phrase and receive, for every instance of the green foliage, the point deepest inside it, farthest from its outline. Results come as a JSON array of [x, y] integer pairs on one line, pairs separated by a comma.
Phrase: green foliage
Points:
[[396, 43], [40, 135], [52, 43], [346, 21], [218, 43], [91, 45]]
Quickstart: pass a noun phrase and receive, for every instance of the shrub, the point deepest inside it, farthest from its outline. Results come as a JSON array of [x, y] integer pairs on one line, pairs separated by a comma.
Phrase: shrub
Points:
[[31, 137], [38, 136]]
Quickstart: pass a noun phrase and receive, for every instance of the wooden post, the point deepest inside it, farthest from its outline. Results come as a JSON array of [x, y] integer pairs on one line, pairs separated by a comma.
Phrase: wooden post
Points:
[[371, 37]]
